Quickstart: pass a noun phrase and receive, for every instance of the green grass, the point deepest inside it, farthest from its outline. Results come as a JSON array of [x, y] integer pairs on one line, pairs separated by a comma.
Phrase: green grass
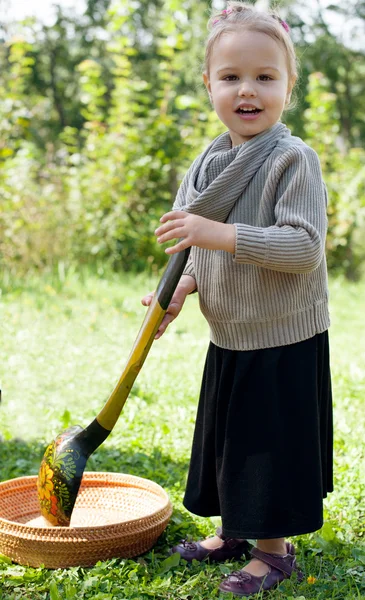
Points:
[[63, 348]]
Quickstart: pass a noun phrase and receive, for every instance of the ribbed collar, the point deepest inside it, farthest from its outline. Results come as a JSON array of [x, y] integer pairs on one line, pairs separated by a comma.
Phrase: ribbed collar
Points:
[[232, 170], [215, 162]]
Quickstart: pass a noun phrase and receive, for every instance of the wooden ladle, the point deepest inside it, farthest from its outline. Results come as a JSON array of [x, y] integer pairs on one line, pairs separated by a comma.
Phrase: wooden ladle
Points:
[[64, 460]]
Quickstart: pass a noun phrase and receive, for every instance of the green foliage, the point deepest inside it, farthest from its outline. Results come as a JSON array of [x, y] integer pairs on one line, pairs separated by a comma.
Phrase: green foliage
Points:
[[136, 159], [14, 108], [344, 173], [102, 115], [63, 349]]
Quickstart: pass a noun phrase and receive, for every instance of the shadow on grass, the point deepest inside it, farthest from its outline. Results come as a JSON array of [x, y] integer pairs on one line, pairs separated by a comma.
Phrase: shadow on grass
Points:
[[19, 458]]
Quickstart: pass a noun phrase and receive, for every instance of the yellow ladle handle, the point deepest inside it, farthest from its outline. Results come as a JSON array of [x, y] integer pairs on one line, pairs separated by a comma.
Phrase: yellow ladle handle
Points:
[[109, 414]]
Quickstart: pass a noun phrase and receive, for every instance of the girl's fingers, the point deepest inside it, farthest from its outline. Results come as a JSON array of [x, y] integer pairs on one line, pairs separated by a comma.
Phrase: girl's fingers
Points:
[[171, 235], [146, 300], [168, 318], [171, 314], [170, 226], [178, 247], [172, 215]]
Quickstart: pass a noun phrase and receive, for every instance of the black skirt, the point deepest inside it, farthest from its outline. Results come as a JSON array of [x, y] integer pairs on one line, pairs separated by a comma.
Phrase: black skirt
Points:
[[263, 442]]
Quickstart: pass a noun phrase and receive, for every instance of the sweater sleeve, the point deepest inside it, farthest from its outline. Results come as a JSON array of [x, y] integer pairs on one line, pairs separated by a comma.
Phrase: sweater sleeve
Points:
[[189, 268], [296, 242]]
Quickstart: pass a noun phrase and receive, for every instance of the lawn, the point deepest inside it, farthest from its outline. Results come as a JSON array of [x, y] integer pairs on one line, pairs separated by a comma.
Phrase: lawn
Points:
[[62, 350]]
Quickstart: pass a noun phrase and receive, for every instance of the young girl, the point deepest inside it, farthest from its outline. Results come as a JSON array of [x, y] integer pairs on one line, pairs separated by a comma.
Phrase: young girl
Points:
[[252, 207]]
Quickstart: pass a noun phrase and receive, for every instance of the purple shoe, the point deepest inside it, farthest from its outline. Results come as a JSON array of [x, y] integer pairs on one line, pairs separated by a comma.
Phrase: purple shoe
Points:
[[231, 548], [242, 583]]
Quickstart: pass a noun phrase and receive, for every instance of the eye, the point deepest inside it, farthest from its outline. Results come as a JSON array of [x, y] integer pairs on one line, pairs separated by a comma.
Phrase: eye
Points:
[[230, 78], [265, 78]]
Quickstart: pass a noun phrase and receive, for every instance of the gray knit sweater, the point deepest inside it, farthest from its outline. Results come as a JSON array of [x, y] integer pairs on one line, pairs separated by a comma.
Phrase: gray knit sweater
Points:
[[273, 291]]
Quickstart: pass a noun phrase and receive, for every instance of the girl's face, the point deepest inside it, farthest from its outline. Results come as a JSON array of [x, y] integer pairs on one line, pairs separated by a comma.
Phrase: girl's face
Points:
[[248, 83]]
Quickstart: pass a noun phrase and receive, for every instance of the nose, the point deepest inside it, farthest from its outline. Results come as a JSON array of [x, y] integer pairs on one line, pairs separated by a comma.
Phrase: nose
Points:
[[247, 89]]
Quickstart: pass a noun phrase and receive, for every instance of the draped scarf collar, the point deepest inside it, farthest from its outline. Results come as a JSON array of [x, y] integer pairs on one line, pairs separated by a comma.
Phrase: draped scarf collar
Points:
[[215, 201]]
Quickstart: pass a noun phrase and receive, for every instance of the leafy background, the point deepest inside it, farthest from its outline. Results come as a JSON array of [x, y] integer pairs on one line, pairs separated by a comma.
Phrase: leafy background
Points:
[[101, 114]]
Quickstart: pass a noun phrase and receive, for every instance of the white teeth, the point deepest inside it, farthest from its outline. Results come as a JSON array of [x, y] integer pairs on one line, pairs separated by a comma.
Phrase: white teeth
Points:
[[247, 109]]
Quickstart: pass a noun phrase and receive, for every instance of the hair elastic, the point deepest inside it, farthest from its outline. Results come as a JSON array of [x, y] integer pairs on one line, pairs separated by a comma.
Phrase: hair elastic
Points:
[[284, 24]]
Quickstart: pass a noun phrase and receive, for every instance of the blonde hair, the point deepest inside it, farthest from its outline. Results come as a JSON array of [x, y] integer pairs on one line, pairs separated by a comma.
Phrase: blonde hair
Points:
[[239, 15]]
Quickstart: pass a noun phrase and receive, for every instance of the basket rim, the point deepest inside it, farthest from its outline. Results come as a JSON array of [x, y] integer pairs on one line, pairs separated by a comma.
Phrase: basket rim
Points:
[[90, 476]]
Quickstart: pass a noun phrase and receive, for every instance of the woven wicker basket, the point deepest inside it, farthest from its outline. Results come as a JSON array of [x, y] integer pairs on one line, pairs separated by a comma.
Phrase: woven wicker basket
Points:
[[115, 515]]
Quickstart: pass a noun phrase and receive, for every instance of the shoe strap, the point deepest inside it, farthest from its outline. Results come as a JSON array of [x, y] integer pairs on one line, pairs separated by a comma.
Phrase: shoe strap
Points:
[[228, 541], [273, 560]]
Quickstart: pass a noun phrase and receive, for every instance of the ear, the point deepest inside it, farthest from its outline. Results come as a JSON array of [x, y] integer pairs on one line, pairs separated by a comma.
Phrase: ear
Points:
[[207, 85], [288, 95], [291, 84]]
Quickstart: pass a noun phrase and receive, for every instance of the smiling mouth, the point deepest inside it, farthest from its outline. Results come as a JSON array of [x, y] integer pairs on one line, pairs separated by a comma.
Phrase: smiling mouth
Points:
[[248, 111]]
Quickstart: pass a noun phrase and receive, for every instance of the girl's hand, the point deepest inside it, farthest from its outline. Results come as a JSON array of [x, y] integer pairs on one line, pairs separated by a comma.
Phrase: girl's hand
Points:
[[195, 231], [186, 286]]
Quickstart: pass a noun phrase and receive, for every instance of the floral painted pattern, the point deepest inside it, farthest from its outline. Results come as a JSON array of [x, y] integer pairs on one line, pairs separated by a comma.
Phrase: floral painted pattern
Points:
[[57, 478], [45, 482]]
